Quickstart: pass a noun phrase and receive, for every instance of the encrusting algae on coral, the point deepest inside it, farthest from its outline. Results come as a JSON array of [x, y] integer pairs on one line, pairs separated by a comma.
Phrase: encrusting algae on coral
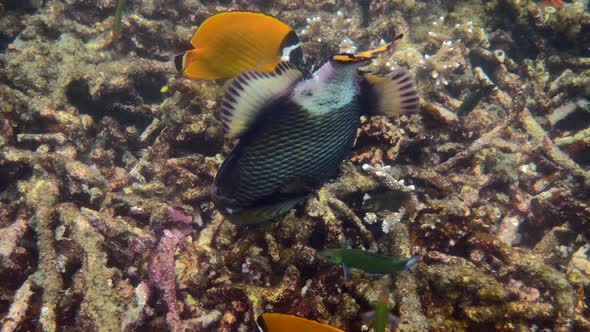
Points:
[[106, 219]]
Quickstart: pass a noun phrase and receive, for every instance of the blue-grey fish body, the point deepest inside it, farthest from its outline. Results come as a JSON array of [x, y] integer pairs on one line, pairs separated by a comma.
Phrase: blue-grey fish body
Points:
[[297, 141]]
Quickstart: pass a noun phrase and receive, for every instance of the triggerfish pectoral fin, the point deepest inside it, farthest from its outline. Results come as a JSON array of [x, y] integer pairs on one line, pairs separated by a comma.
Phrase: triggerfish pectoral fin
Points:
[[229, 43], [393, 94], [275, 322]]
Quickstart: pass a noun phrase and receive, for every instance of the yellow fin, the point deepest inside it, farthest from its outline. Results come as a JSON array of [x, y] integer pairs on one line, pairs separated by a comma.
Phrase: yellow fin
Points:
[[393, 94], [275, 322], [229, 43]]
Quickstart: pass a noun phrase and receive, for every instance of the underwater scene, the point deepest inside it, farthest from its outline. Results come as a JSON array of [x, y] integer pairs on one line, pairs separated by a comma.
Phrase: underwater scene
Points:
[[291, 165]]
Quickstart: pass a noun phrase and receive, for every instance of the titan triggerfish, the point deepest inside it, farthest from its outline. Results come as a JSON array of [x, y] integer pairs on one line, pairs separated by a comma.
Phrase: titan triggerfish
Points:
[[295, 128]]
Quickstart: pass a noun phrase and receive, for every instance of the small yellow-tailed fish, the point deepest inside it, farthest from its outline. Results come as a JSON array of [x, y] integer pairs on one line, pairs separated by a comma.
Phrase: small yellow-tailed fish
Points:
[[275, 322], [295, 128], [367, 261], [229, 43]]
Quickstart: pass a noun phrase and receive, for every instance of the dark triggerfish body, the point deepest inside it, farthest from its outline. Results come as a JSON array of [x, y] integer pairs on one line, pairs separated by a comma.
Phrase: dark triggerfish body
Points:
[[294, 130]]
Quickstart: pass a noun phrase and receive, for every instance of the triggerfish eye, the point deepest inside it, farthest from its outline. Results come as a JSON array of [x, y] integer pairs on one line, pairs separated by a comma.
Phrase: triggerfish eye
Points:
[[230, 43]]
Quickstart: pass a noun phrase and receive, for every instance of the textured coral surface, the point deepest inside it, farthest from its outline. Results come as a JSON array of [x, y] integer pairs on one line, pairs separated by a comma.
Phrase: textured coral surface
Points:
[[107, 156]]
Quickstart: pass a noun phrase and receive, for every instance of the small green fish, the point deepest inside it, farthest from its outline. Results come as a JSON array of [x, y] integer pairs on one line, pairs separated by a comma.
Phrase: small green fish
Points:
[[367, 261], [381, 316]]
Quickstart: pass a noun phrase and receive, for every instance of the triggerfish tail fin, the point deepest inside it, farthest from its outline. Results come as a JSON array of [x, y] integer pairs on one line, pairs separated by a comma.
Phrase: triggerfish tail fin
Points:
[[229, 43], [250, 92], [261, 213], [393, 94], [275, 322]]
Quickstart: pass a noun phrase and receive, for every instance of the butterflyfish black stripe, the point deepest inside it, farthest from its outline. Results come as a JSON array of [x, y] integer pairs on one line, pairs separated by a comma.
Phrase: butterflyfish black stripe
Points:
[[289, 40]]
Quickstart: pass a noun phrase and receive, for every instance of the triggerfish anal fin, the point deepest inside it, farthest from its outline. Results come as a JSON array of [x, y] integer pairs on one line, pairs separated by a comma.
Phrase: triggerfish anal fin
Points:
[[262, 213], [275, 322], [393, 94], [229, 43], [250, 92]]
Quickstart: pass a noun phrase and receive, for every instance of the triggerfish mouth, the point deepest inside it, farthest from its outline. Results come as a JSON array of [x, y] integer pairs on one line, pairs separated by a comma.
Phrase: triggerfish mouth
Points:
[[229, 43], [295, 128]]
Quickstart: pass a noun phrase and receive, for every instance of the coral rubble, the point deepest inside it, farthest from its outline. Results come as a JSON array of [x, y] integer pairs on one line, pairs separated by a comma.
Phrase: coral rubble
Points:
[[107, 157]]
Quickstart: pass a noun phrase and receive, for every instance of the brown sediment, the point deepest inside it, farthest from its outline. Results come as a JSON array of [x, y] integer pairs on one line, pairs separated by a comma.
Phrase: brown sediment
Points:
[[93, 156]]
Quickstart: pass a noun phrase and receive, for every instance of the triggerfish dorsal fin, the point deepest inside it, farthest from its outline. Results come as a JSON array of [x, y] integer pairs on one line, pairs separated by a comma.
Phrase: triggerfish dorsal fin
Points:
[[229, 43], [250, 92], [393, 94], [275, 322]]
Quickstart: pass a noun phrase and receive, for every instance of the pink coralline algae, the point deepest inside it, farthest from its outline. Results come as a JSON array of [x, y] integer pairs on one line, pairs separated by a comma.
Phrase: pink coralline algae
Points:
[[161, 265]]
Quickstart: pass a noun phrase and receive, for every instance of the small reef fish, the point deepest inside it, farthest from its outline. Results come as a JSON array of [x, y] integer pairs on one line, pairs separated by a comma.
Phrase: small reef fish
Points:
[[381, 316], [229, 43], [295, 128], [551, 3], [389, 200], [367, 261], [275, 322]]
